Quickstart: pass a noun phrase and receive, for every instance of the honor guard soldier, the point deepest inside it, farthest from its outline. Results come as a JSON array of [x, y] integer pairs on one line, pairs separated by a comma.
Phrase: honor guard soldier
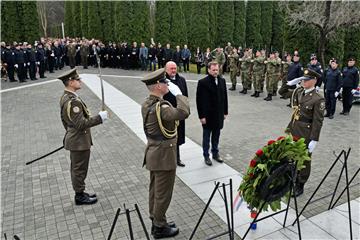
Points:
[[307, 119], [160, 120], [349, 85], [332, 86], [77, 122]]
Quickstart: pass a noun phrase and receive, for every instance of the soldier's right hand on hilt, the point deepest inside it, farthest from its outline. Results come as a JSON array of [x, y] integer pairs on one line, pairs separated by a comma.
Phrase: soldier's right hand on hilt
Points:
[[174, 89], [104, 115]]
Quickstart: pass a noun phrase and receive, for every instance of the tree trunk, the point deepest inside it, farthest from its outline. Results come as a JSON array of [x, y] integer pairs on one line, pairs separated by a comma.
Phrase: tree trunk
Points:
[[322, 43]]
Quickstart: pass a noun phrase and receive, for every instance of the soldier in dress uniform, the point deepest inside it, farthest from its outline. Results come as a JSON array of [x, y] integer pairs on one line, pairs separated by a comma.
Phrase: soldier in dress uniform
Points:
[[77, 122], [160, 120], [307, 119], [349, 85]]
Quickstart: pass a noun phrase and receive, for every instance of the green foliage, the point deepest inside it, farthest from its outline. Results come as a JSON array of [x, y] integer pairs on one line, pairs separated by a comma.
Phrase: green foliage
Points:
[[76, 18], [266, 159], [123, 12], [239, 23], [69, 23], [163, 22], [253, 22], [140, 22], [29, 15], [199, 27], [84, 19], [95, 23], [225, 22], [106, 9], [352, 44], [213, 23], [335, 46], [266, 24], [192, 11], [178, 27], [278, 28]]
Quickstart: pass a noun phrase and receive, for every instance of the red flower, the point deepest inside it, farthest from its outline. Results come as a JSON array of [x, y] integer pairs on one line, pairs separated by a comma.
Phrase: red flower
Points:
[[271, 142], [251, 175], [280, 138], [296, 138], [253, 163], [259, 152]]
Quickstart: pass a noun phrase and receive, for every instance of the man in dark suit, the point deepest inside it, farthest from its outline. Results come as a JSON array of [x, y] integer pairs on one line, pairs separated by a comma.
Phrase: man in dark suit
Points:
[[160, 120], [212, 107], [174, 77], [77, 122]]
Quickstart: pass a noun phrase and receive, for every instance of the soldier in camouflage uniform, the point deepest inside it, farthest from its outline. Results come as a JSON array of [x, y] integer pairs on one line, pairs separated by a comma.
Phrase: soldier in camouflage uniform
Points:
[[84, 53], [258, 74], [233, 60], [246, 71], [71, 53], [284, 73], [272, 75], [278, 72], [219, 56]]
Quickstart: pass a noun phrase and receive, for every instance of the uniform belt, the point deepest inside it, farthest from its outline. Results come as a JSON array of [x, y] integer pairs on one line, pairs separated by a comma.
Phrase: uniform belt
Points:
[[158, 137], [304, 119]]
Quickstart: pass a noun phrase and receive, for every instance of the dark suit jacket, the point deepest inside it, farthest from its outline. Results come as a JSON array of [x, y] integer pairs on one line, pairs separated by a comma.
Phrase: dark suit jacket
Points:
[[181, 83], [212, 101]]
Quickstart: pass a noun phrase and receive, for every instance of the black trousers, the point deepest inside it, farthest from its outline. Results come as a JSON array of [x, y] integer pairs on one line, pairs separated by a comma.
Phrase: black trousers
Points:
[[186, 64], [10, 70], [330, 101], [347, 99], [32, 70], [42, 68], [21, 72]]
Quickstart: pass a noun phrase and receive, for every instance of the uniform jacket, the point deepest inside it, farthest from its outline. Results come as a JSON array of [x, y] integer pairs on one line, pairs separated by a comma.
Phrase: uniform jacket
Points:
[[295, 70], [152, 53], [317, 68], [311, 114], [20, 56], [212, 101], [350, 77], [160, 154], [9, 57], [181, 83], [333, 80], [77, 122]]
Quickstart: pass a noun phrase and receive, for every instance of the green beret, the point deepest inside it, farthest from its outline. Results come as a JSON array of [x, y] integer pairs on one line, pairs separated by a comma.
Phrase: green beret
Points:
[[155, 77], [69, 75]]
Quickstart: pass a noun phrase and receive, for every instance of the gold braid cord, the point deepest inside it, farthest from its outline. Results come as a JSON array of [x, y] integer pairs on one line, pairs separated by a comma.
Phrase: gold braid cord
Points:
[[296, 110], [166, 132]]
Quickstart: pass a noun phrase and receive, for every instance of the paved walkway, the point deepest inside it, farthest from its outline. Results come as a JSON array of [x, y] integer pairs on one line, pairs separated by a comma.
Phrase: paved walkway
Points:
[[37, 200]]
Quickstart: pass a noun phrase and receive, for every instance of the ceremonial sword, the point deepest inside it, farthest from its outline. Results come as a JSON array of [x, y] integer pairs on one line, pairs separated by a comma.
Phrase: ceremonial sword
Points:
[[101, 81], [52, 152]]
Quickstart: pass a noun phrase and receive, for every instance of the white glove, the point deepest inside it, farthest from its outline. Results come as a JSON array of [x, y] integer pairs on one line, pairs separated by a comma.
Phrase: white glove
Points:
[[38, 63], [336, 94], [312, 146], [174, 89], [16, 66], [294, 81], [28, 64], [317, 88], [104, 115], [353, 91], [24, 64], [341, 90]]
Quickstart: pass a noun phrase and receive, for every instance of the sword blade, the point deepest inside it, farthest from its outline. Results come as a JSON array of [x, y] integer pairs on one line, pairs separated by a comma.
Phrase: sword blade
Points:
[[48, 154]]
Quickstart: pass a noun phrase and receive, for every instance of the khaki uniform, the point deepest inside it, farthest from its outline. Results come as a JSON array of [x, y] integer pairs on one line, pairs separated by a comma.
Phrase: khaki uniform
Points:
[[160, 152], [71, 55], [258, 73], [306, 121], [246, 72], [84, 53], [77, 122], [233, 60]]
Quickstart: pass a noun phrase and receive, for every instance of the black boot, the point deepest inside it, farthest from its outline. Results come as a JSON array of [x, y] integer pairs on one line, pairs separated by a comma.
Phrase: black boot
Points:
[[254, 94], [170, 224], [83, 198], [180, 163], [164, 232], [233, 87], [244, 91], [268, 98], [257, 94]]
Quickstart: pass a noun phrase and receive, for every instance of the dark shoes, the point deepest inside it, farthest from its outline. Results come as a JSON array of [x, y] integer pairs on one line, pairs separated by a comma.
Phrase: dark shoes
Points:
[[164, 232], [85, 198], [331, 116], [344, 113], [268, 98], [289, 105], [233, 88], [255, 94], [218, 159], [299, 190], [170, 224], [180, 163], [244, 91], [207, 161]]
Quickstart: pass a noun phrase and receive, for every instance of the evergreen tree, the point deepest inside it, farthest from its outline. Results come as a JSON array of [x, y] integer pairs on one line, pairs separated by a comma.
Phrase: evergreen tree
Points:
[[253, 22], [140, 22], [266, 24], [178, 28], [84, 18], [76, 18], [277, 39], [239, 23], [352, 44], [69, 22], [95, 24], [123, 28], [9, 22], [189, 9], [335, 47], [29, 15], [199, 28], [225, 22], [163, 22], [213, 24], [106, 9]]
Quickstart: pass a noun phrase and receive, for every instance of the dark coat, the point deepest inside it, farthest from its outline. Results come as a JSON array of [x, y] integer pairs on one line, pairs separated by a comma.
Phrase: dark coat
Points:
[[181, 83], [212, 101]]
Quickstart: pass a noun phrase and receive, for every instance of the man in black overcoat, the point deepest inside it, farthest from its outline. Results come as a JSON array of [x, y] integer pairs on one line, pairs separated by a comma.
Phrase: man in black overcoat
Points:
[[212, 107], [174, 77]]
